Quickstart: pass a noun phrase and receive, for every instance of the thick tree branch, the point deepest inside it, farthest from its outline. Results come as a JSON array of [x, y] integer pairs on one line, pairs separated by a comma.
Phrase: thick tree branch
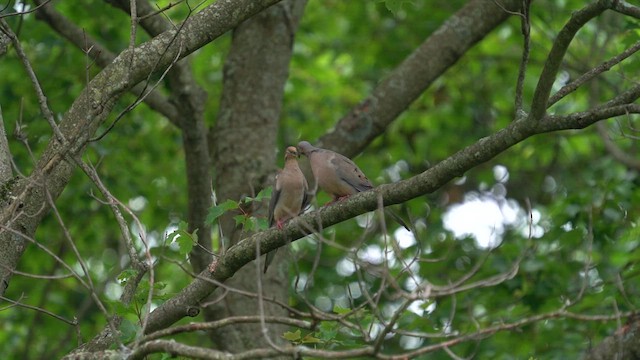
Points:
[[441, 50], [623, 345], [102, 56], [605, 66], [427, 182], [95, 102], [629, 160], [227, 322], [6, 172], [173, 347], [189, 99], [243, 147], [540, 100]]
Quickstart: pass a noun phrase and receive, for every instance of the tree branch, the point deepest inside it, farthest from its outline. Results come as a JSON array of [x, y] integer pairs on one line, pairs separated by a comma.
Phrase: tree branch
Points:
[[102, 56], [605, 66], [578, 19], [95, 102], [173, 347], [525, 25], [6, 171], [623, 345], [42, 99], [415, 74], [619, 154], [189, 99], [432, 179]]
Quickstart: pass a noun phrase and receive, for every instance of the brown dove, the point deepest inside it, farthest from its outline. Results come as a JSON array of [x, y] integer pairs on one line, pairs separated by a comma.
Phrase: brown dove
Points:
[[290, 195], [337, 175]]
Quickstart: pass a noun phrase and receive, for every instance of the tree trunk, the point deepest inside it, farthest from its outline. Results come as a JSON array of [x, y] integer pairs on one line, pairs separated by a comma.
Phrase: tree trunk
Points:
[[244, 151]]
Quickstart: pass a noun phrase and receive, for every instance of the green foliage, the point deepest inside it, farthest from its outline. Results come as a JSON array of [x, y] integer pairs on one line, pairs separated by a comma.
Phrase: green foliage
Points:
[[395, 6], [183, 238], [217, 210], [297, 339], [585, 248], [244, 218]]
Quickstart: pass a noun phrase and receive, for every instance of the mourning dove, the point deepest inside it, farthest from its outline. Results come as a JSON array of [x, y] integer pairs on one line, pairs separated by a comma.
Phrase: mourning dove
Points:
[[290, 195], [337, 175]]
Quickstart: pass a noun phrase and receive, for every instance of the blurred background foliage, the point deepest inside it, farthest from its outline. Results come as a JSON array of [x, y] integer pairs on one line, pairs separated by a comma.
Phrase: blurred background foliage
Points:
[[567, 204]]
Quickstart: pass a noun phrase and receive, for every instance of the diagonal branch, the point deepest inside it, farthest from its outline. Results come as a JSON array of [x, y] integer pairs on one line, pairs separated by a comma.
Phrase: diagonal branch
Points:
[[189, 100], [526, 47], [6, 172], [95, 103], [605, 66], [42, 99], [432, 179], [101, 55], [579, 18], [441, 50], [618, 153]]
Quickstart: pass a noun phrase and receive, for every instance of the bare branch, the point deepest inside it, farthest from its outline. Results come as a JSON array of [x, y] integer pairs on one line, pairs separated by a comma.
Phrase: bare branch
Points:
[[18, 13], [37, 276], [619, 154], [415, 74], [504, 327], [6, 172], [102, 56], [605, 66], [526, 36], [44, 311], [624, 7], [539, 104], [441, 173], [204, 353], [42, 99], [227, 322]]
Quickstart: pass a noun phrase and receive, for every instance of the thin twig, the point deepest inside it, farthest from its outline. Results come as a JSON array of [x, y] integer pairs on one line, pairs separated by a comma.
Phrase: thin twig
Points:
[[526, 35], [605, 66], [44, 311], [20, 13], [42, 99]]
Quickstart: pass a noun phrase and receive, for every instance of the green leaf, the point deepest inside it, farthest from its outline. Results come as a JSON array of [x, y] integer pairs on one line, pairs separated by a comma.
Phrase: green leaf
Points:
[[292, 336], [240, 220], [328, 330], [184, 240], [340, 310], [126, 274], [394, 6], [261, 223], [264, 194], [117, 307], [217, 211], [309, 339]]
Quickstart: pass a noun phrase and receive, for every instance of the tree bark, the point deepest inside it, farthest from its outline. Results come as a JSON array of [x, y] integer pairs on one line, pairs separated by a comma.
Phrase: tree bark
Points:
[[53, 170], [441, 50], [623, 345], [244, 150]]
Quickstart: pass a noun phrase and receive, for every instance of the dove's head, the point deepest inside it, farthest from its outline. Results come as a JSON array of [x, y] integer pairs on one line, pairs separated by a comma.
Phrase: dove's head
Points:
[[291, 152], [305, 148]]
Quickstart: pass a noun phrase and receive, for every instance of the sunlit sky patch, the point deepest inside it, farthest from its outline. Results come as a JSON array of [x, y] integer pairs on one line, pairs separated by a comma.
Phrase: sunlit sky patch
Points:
[[485, 216], [482, 218]]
